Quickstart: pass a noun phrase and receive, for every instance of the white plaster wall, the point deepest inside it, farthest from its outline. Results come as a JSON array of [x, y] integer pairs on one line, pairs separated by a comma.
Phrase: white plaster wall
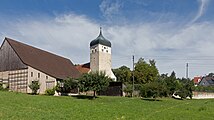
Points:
[[3, 76], [42, 80], [100, 60], [202, 95], [94, 61]]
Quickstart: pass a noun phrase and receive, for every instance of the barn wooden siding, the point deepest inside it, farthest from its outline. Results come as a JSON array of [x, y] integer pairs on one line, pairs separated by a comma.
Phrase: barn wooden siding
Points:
[[13, 71], [9, 60]]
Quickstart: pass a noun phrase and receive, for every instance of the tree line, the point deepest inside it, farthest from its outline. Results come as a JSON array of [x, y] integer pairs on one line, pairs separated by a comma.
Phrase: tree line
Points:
[[149, 83]]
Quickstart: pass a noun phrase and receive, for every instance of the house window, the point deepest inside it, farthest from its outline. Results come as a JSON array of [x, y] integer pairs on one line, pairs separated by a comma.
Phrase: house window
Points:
[[106, 50], [50, 84], [104, 47], [102, 50], [31, 74], [46, 77], [38, 75]]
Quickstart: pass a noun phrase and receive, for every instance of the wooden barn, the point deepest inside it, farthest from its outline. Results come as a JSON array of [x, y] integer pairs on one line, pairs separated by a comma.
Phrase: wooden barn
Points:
[[21, 64]]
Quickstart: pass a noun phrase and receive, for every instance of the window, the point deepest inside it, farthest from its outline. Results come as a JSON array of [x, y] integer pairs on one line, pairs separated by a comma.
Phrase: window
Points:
[[38, 75], [31, 74], [106, 50], [102, 50], [46, 77], [104, 47], [50, 84]]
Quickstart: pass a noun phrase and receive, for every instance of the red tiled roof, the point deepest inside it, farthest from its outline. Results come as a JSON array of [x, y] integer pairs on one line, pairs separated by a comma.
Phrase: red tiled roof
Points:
[[85, 68], [51, 64], [197, 79]]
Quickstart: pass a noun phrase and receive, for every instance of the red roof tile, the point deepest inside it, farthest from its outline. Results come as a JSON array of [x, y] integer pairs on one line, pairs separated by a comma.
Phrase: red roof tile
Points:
[[85, 68], [197, 79]]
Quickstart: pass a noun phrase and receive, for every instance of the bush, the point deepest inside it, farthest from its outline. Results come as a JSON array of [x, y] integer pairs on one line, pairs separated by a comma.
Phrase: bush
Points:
[[4, 88], [34, 86], [128, 90], [152, 90], [50, 91], [1, 86], [204, 88]]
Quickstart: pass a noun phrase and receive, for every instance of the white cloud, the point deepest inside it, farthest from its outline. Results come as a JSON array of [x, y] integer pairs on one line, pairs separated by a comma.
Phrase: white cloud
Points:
[[69, 35], [201, 10], [110, 9]]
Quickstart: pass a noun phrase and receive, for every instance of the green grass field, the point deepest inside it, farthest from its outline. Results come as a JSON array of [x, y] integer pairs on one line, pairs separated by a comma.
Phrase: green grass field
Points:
[[24, 106]]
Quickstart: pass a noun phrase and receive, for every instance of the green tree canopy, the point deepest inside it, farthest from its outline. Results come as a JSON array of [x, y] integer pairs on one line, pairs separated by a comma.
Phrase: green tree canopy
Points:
[[145, 72], [123, 74], [68, 85], [176, 86], [94, 81]]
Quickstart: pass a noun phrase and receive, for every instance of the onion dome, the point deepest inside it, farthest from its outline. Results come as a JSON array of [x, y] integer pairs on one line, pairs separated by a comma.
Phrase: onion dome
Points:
[[100, 40]]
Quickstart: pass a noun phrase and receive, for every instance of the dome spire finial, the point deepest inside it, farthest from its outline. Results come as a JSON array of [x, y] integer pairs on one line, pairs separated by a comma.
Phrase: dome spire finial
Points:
[[100, 30]]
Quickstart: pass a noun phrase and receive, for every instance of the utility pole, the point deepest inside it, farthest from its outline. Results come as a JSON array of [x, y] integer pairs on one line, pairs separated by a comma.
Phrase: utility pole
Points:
[[187, 70], [133, 77]]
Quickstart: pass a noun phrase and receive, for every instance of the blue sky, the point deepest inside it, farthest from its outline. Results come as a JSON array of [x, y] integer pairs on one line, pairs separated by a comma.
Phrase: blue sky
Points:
[[173, 32]]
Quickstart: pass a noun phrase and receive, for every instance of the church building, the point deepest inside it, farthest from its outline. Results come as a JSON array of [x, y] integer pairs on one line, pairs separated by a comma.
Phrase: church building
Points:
[[100, 57]]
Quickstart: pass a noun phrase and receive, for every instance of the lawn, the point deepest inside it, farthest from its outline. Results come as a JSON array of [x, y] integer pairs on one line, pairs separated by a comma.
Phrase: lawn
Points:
[[24, 106]]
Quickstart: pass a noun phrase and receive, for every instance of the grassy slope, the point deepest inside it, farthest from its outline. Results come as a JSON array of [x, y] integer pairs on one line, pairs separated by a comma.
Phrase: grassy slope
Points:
[[23, 106]]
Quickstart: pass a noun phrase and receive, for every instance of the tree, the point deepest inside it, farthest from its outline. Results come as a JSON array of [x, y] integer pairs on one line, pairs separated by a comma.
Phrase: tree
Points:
[[152, 89], [123, 74], [171, 83], [185, 89], [68, 85], [176, 86], [94, 81], [145, 72], [34, 86]]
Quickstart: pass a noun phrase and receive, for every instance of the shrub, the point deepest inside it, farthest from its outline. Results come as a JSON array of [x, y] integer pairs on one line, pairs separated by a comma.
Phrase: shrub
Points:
[[50, 91], [152, 90], [4, 88], [1, 86], [34, 86], [128, 90]]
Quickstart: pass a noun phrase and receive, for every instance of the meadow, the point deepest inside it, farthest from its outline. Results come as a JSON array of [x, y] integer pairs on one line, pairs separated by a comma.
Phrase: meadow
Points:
[[24, 106]]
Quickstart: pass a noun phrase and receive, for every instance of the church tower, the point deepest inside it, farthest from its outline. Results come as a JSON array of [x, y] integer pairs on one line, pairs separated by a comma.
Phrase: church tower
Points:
[[100, 55]]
